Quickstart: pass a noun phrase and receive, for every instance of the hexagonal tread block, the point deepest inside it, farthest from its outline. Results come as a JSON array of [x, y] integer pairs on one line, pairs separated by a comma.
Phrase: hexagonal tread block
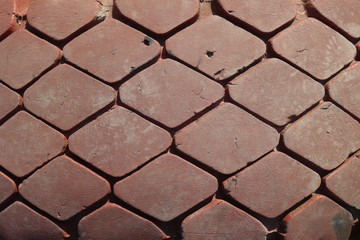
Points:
[[170, 93], [9, 99], [321, 217], [119, 141], [159, 16], [342, 15], [166, 188], [345, 87], [20, 222], [344, 182], [7, 187], [220, 220], [60, 19], [27, 150], [325, 136], [318, 49], [66, 96], [226, 139], [7, 18], [114, 222], [275, 91], [264, 16], [24, 49], [216, 45], [116, 50], [63, 188], [279, 179]]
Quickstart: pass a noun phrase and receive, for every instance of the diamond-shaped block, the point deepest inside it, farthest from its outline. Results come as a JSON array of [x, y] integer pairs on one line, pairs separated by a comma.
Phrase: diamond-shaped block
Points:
[[24, 56], [166, 188], [321, 217], [7, 187], [170, 93], [276, 91], [119, 141], [26, 143], [20, 222], [342, 15], [216, 47], [9, 100], [314, 47], [114, 222], [220, 220], [159, 16], [279, 179], [63, 187], [344, 182], [325, 136], [345, 88], [7, 18], [264, 16], [66, 96], [59, 19], [226, 139], [111, 50]]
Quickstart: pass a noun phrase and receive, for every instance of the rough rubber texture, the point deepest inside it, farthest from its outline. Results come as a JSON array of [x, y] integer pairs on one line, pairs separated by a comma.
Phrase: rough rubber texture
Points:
[[194, 120]]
